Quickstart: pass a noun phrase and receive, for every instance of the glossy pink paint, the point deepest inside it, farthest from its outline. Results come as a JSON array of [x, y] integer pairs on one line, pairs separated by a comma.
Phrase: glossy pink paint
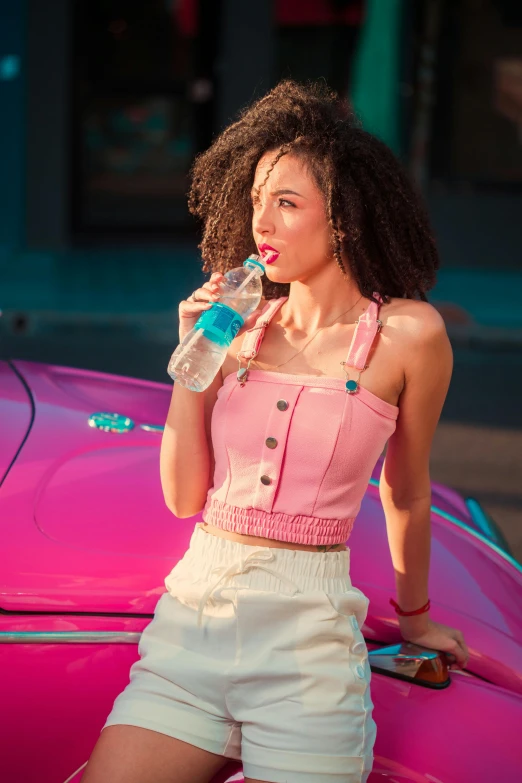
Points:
[[90, 541]]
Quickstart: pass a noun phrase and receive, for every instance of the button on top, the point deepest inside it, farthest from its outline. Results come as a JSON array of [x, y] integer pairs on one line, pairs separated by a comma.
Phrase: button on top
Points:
[[355, 624], [282, 405], [266, 480], [271, 443]]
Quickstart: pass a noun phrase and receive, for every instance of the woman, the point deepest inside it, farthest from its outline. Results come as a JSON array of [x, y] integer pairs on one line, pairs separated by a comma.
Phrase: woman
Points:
[[255, 650]]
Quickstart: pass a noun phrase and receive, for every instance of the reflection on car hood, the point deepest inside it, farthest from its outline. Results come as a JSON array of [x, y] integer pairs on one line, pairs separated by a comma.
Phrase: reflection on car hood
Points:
[[15, 416]]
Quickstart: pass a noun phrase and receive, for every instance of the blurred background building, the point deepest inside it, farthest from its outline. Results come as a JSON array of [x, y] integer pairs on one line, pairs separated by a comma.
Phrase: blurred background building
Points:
[[105, 103]]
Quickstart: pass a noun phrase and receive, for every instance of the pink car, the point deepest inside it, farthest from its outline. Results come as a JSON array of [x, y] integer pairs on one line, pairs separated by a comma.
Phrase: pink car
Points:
[[86, 542]]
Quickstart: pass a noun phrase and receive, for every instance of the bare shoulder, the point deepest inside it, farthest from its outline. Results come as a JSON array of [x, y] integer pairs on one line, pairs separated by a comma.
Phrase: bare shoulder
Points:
[[416, 322]]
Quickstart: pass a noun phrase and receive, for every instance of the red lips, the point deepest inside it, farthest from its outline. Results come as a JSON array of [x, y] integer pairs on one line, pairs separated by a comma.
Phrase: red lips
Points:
[[269, 254]]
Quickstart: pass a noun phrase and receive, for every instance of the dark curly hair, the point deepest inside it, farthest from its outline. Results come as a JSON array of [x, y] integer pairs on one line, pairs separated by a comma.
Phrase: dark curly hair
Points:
[[376, 216]]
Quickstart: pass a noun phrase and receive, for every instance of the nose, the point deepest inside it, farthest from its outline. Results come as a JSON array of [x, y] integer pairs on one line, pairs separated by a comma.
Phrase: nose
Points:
[[262, 222]]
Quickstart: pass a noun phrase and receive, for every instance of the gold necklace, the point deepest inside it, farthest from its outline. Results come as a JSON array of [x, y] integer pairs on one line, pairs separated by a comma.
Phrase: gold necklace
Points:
[[314, 335]]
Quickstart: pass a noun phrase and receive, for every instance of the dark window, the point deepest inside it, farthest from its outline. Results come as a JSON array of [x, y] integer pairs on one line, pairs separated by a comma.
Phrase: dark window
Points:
[[477, 119], [143, 99], [317, 38]]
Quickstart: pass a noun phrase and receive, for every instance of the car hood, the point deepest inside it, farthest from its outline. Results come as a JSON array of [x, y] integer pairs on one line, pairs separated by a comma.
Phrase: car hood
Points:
[[83, 519]]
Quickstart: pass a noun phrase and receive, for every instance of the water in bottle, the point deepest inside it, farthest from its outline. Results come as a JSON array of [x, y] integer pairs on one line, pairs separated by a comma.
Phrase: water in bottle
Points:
[[197, 359]]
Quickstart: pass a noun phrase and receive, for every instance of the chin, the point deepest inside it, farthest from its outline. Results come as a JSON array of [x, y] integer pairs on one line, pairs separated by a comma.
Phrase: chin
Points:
[[279, 275]]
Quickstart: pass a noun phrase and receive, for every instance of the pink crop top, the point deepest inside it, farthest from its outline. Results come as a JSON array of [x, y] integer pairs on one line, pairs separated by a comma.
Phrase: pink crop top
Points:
[[294, 453]]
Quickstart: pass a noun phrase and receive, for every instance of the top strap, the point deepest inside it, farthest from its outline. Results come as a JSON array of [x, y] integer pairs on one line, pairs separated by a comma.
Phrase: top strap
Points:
[[254, 336], [368, 326]]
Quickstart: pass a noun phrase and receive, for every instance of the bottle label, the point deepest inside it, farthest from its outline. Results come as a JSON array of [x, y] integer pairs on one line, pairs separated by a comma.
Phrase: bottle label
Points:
[[220, 323]]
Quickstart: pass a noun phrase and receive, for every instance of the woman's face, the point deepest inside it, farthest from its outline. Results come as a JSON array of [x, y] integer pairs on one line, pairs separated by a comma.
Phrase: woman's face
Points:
[[289, 216]]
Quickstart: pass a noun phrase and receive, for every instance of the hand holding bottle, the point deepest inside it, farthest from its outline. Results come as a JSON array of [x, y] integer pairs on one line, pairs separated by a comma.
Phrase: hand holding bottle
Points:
[[211, 318], [189, 311]]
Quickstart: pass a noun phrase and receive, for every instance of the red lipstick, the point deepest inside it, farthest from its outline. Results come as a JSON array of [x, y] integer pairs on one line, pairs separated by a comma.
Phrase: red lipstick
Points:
[[268, 253]]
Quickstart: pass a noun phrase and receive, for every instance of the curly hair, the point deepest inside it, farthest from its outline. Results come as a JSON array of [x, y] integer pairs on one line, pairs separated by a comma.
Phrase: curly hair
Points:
[[375, 214]]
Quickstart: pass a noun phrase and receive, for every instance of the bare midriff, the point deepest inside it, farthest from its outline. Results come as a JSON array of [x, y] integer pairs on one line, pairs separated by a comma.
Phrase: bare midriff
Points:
[[260, 541]]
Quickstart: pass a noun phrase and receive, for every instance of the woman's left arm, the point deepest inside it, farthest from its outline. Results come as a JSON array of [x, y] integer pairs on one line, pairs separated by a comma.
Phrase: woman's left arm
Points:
[[405, 486]]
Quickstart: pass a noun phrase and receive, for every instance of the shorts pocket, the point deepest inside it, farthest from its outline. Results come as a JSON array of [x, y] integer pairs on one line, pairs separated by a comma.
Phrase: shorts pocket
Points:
[[349, 607], [352, 604], [146, 631]]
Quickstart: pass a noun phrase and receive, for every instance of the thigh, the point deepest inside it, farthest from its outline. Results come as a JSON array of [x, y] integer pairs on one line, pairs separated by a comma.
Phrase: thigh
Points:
[[130, 754], [177, 687]]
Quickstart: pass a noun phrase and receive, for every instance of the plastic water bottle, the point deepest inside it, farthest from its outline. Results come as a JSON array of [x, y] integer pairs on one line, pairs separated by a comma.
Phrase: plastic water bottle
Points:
[[197, 359]]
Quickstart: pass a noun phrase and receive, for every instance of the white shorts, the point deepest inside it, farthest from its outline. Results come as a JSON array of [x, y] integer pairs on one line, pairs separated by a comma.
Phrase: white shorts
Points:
[[255, 653]]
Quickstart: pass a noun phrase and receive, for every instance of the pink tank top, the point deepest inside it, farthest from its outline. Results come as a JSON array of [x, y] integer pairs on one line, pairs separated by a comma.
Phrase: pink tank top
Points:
[[294, 453]]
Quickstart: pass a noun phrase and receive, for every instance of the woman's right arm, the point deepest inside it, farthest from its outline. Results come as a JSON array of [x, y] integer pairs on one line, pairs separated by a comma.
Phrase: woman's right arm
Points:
[[186, 457]]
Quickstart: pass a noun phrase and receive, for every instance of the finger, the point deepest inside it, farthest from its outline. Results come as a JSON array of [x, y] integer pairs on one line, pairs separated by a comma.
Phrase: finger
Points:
[[211, 286], [465, 650], [461, 653], [459, 636], [216, 279], [205, 294], [192, 309]]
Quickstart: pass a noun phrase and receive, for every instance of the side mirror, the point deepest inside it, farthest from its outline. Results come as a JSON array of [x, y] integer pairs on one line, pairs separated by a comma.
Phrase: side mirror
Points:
[[413, 663]]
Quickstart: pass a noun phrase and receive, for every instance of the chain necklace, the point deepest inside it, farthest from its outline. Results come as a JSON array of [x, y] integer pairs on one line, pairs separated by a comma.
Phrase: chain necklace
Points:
[[314, 335]]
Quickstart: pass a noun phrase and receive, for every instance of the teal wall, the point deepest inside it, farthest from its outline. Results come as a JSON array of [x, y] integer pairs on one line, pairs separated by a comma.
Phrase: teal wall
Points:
[[376, 71]]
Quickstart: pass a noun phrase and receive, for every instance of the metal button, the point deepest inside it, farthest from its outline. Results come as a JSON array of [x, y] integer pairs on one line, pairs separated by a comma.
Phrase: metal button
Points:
[[266, 480], [282, 405], [271, 443]]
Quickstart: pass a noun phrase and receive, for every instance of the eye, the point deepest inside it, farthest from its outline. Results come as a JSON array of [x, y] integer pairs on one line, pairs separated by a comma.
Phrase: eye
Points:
[[283, 202]]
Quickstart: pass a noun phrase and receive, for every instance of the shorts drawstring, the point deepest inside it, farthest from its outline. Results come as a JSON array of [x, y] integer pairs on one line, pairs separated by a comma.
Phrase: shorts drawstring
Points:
[[254, 559]]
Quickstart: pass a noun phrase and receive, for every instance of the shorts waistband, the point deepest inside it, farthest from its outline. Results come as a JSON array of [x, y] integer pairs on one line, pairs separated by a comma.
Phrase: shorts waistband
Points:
[[220, 562], [329, 571]]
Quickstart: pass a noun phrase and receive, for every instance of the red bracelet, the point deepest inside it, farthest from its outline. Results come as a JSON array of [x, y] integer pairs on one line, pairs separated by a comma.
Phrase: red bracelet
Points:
[[400, 611]]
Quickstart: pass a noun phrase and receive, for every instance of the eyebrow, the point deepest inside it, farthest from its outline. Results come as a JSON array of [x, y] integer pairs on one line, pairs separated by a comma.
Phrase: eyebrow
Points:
[[280, 192]]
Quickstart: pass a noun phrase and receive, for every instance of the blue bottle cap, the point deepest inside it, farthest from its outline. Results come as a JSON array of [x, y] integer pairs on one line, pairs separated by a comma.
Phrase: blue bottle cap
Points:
[[254, 260]]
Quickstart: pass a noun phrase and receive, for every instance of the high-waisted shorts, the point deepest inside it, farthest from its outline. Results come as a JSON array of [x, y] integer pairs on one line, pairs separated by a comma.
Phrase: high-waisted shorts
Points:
[[256, 654]]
